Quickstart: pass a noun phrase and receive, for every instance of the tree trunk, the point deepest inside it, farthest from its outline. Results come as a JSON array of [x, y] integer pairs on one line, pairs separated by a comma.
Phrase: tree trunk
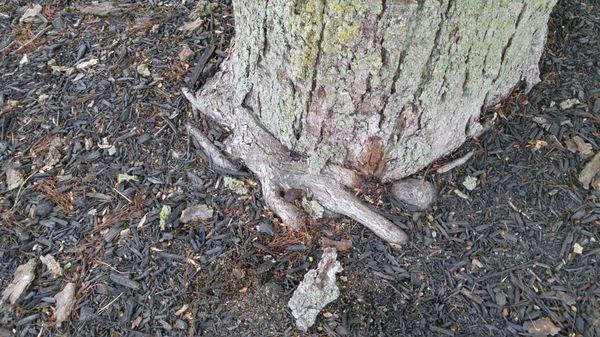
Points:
[[382, 88]]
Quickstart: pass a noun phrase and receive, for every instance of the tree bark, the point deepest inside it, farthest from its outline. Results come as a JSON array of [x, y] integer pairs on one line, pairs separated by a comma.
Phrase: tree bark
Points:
[[382, 88]]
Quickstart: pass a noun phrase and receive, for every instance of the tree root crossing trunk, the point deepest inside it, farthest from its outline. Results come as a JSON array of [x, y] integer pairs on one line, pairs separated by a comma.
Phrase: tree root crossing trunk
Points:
[[276, 168]]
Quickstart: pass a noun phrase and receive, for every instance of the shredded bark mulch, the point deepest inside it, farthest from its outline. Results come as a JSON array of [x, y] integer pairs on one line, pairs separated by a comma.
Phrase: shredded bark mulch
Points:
[[96, 170]]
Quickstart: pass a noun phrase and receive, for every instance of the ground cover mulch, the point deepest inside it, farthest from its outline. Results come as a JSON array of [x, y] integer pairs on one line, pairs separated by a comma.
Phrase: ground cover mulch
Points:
[[91, 118]]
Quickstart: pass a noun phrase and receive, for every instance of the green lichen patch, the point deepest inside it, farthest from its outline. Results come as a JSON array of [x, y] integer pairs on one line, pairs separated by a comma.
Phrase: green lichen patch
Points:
[[236, 186]]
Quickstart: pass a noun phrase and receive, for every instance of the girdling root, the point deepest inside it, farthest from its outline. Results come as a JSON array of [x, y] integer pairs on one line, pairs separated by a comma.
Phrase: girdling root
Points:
[[273, 164]]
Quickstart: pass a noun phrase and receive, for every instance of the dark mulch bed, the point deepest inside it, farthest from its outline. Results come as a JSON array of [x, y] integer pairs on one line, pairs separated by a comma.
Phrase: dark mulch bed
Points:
[[482, 266]]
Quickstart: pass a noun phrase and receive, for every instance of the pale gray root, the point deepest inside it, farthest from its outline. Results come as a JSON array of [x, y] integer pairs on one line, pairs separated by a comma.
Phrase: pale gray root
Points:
[[316, 290], [213, 153], [277, 170]]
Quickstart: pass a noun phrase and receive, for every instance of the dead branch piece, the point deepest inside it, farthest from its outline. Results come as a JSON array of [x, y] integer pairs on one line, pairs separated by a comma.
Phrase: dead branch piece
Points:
[[455, 163], [317, 289], [277, 171]]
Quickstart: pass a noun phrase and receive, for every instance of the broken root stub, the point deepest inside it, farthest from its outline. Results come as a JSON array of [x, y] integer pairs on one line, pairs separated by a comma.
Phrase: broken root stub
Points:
[[276, 169]]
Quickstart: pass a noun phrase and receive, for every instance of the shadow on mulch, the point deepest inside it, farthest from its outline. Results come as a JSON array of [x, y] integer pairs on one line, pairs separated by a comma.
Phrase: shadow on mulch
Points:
[[102, 152]]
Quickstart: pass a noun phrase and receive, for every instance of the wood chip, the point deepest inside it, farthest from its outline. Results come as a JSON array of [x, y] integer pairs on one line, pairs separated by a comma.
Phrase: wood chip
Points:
[[106, 8], [65, 301], [14, 179], [50, 262], [589, 171], [340, 246], [541, 328], [23, 276], [191, 26]]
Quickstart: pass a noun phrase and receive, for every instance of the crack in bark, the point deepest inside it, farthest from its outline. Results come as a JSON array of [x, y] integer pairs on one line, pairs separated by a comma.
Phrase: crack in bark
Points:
[[264, 32], [467, 71], [509, 43], [424, 78], [317, 62], [397, 72]]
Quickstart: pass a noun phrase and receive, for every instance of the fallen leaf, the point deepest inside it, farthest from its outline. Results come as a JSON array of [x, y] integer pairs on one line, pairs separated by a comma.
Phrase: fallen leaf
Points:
[[13, 178], [475, 264], [589, 171], [542, 122], [22, 277], [164, 215], [186, 53], [538, 144], [577, 144], [33, 14], [136, 322], [143, 70], [50, 262], [62, 69], [86, 64], [461, 194], [142, 221], [191, 26], [121, 177], [181, 310], [541, 327], [65, 301], [196, 213], [470, 183]]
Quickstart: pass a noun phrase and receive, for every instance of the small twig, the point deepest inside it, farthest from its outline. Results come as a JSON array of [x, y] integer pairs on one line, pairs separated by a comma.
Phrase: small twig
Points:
[[40, 33], [20, 189], [455, 163], [109, 304], [123, 195], [518, 210]]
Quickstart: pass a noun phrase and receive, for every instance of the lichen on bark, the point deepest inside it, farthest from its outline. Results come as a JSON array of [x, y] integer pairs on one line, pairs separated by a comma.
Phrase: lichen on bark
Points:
[[409, 77], [325, 89]]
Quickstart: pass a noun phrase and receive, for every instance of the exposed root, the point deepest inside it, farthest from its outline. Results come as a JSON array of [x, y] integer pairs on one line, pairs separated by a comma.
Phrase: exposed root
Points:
[[213, 153], [277, 171]]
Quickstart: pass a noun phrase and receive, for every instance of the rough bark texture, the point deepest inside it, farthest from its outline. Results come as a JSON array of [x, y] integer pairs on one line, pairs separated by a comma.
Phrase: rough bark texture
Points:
[[318, 90], [384, 87]]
